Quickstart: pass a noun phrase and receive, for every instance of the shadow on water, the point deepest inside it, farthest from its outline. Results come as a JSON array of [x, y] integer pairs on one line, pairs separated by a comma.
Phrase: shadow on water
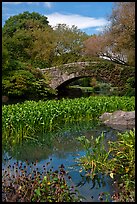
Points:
[[62, 93], [65, 149]]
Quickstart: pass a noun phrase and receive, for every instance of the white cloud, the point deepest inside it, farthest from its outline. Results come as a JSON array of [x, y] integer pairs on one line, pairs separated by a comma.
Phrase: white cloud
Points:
[[100, 29], [12, 2], [81, 22], [37, 3], [48, 4]]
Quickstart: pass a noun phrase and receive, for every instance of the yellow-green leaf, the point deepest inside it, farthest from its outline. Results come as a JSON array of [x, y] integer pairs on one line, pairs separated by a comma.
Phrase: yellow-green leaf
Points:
[[111, 175]]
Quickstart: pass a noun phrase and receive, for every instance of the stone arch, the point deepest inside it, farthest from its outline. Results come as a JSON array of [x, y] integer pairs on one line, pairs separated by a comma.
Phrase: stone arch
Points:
[[67, 82], [105, 70]]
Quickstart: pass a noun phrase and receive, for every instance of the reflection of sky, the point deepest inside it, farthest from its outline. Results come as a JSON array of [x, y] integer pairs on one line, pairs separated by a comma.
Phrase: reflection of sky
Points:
[[71, 167], [61, 154]]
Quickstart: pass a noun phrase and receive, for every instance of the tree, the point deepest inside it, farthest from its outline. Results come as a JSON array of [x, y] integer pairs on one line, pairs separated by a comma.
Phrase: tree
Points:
[[117, 42], [69, 43], [26, 37], [26, 43], [5, 58], [42, 51], [24, 21]]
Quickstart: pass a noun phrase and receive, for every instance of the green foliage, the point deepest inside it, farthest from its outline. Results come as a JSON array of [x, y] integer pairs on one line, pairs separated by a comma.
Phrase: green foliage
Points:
[[5, 59], [117, 161], [19, 34], [89, 84], [19, 43], [27, 41], [54, 188], [20, 121], [129, 89], [26, 83], [123, 163], [23, 21], [84, 82], [17, 83], [69, 39], [42, 51], [39, 87], [69, 44], [96, 155]]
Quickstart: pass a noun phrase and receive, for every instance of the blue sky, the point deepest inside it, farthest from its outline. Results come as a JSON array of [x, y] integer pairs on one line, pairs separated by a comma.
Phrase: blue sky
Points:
[[90, 17]]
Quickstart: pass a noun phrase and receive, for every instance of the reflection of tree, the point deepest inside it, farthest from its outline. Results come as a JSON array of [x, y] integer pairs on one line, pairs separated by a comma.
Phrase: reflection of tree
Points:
[[97, 181], [62, 143], [31, 152]]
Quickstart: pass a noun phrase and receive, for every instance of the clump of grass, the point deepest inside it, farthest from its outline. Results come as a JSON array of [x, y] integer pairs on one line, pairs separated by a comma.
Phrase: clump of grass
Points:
[[26, 183]]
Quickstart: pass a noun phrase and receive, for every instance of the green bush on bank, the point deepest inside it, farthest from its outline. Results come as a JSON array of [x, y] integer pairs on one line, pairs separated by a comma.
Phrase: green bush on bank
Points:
[[25, 84]]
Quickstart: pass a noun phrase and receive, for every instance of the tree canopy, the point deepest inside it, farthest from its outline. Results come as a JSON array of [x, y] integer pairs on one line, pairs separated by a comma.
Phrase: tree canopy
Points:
[[29, 42], [117, 42], [69, 43], [24, 21]]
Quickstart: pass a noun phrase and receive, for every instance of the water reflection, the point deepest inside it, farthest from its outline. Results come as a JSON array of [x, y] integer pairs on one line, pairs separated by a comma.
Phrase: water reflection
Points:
[[65, 149]]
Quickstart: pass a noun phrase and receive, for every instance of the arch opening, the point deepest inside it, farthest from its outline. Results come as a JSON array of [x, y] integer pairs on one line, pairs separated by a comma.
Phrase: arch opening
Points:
[[85, 86]]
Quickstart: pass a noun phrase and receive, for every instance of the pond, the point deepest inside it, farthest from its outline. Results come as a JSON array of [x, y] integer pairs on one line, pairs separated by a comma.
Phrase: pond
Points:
[[64, 149]]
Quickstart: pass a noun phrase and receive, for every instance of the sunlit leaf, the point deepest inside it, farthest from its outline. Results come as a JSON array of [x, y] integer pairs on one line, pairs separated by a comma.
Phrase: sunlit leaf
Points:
[[111, 175]]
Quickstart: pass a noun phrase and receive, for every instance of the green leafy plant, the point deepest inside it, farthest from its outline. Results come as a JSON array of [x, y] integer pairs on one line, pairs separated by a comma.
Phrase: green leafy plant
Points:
[[20, 121], [54, 188], [26, 183], [95, 156], [118, 161], [123, 165]]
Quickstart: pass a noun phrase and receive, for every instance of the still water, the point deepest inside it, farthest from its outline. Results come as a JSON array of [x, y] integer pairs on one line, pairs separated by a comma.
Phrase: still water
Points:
[[64, 149]]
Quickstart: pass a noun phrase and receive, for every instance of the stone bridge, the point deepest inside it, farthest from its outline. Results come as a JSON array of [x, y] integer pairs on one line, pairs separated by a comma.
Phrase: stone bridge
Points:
[[104, 70]]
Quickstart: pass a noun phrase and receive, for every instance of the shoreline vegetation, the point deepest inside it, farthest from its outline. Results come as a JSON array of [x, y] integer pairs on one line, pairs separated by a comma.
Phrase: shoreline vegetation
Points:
[[22, 122], [118, 161]]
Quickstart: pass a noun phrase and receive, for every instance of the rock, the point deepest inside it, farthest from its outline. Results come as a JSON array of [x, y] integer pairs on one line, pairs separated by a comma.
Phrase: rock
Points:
[[105, 116], [119, 120], [5, 99]]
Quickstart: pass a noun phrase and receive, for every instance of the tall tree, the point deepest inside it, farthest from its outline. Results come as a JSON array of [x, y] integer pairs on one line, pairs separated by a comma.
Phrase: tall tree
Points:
[[28, 37], [117, 42], [26, 43], [42, 51], [69, 43], [24, 21]]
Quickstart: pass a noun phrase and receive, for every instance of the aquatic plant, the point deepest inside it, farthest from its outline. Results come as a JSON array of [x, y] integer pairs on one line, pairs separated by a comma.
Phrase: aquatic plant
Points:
[[26, 120], [26, 183], [118, 161], [95, 156]]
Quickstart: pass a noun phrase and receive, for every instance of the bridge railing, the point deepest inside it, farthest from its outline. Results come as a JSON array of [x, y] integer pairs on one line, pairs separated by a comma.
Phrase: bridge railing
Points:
[[69, 65]]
